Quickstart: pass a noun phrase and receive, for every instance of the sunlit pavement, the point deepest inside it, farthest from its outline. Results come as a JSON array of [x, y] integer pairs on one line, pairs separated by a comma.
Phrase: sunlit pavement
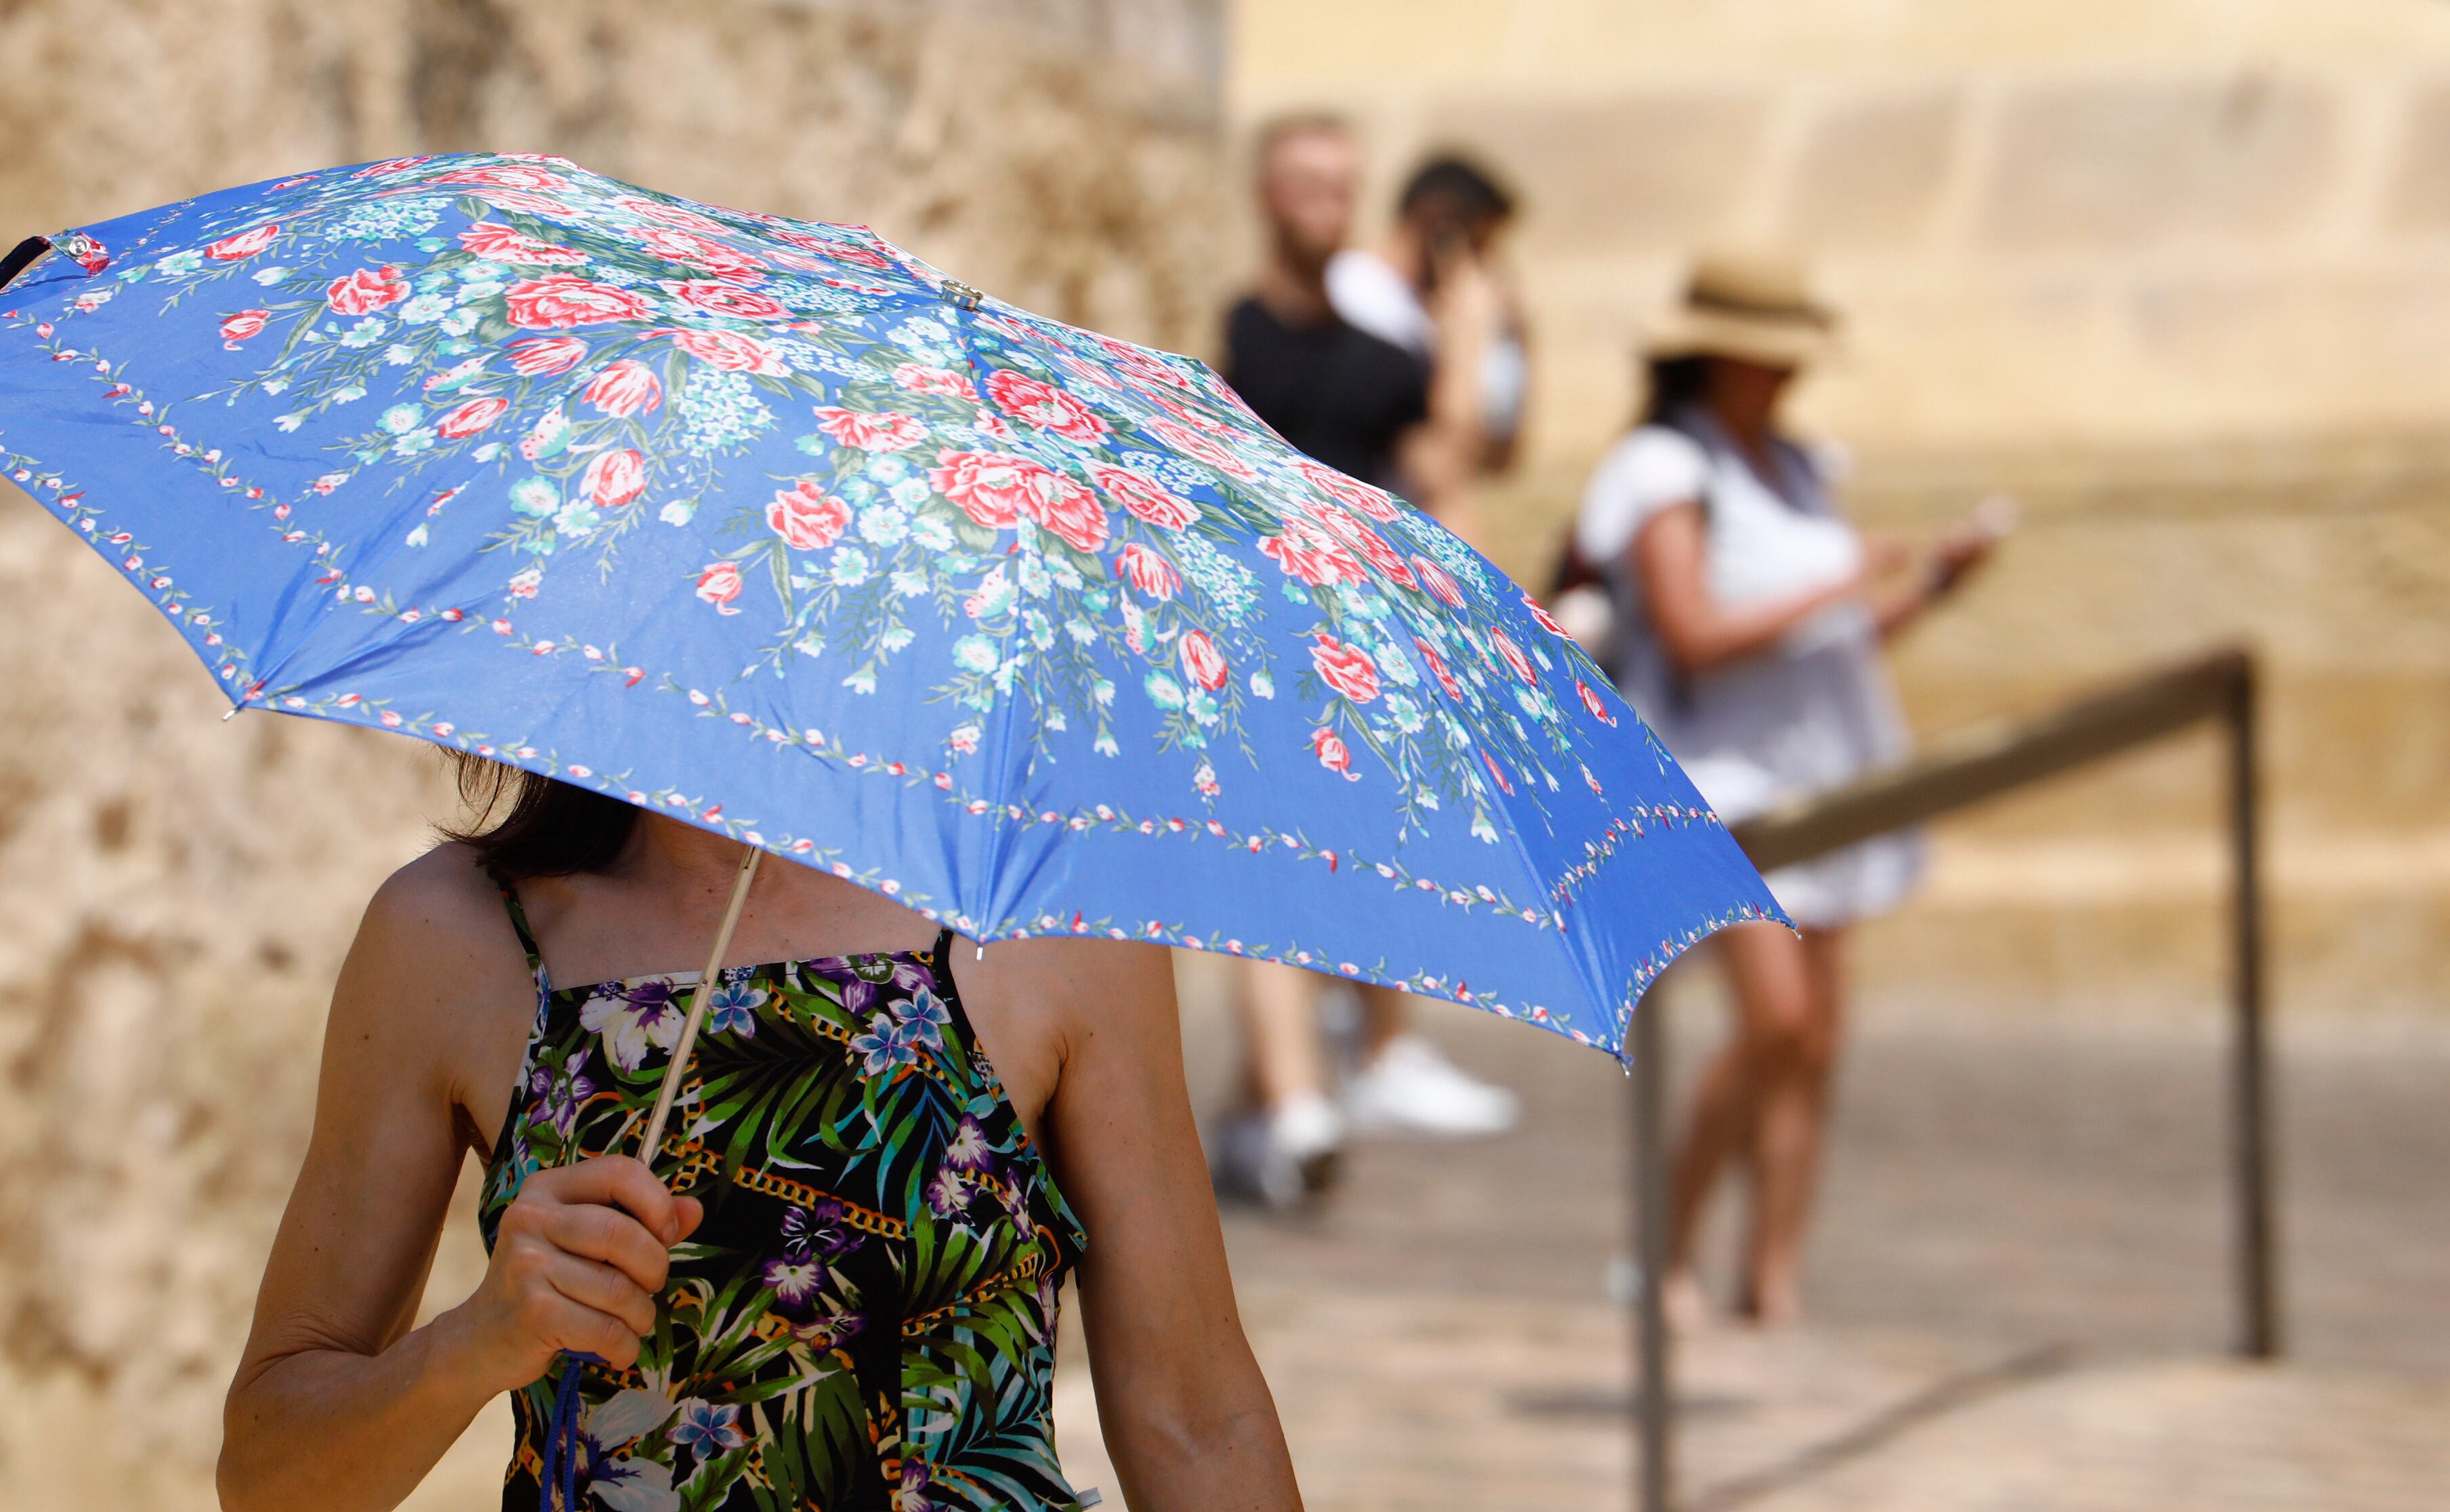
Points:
[[2019, 1285]]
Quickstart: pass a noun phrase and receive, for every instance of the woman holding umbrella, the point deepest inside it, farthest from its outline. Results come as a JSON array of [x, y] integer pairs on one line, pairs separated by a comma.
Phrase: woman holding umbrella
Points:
[[1747, 627], [1036, 1094]]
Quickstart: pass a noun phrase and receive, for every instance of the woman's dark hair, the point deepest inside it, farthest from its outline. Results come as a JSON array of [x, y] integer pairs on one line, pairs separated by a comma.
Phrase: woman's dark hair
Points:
[[1673, 382], [1458, 191], [547, 828]]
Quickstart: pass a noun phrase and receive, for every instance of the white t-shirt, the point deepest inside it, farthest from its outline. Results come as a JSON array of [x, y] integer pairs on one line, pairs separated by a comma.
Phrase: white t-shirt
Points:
[[1370, 296], [1801, 717], [1759, 547]]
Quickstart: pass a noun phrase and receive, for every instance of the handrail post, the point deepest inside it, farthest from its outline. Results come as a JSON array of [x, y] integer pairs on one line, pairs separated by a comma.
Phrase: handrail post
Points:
[[2258, 1312], [1654, 1393]]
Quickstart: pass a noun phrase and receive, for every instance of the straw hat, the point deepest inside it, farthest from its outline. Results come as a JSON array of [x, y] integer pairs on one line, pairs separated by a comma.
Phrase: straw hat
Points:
[[1757, 306]]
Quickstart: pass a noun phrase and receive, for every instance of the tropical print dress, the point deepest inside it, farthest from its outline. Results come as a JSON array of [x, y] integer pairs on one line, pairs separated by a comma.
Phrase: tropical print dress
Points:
[[866, 1319]]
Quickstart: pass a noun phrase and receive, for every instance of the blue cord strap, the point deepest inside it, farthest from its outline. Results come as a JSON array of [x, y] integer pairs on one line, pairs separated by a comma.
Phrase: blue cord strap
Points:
[[562, 1436]]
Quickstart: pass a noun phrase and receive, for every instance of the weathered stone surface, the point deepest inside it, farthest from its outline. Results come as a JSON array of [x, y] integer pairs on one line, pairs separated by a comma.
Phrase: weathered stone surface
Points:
[[176, 891], [2116, 163], [1870, 174], [1645, 171], [2420, 193]]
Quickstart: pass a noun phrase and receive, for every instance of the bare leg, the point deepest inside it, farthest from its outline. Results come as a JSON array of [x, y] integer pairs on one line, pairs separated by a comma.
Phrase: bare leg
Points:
[[1280, 1031], [1788, 1137], [1386, 1014], [1773, 1002]]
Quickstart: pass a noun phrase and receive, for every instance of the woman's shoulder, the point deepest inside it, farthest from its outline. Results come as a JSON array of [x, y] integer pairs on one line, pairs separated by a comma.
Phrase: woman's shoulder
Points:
[[438, 931], [1651, 468]]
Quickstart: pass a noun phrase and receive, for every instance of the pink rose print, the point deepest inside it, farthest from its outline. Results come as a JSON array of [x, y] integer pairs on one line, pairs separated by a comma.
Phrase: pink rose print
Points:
[[1438, 668], [562, 299], [917, 377], [997, 488], [243, 324], [1069, 509], [1042, 406], [1148, 571], [1201, 660], [840, 251], [626, 388], [719, 585], [543, 355], [1503, 785], [732, 352], [391, 166], [1438, 581], [671, 215], [1143, 364], [245, 244], [1145, 497], [1365, 543], [521, 200], [807, 518], [1333, 753], [614, 479], [699, 252], [1548, 621], [366, 291], [506, 176], [1376, 502], [1591, 702], [499, 244], [470, 417], [719, 298], [1310, 554], [1513, 655], [1347, 668], [870, 433], [1190, 444]]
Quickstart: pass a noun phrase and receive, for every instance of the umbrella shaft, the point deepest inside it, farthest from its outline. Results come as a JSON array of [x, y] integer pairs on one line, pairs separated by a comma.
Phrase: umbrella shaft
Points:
[[706, 981]]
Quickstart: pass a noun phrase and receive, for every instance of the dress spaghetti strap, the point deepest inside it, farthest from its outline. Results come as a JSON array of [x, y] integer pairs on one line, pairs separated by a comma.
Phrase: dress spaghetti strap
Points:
[[520, 922]]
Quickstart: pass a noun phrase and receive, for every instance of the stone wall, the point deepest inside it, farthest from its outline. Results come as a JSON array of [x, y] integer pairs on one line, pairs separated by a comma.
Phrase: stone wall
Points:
[[177, 891], [2172, 270]]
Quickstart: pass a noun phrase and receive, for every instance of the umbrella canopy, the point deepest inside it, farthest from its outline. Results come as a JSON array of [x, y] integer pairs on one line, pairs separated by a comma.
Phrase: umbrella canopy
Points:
[[768, 526]]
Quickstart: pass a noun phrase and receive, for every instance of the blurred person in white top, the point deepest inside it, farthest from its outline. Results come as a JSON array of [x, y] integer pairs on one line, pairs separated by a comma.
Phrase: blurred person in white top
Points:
[[1746, 623], [1430, 285], [1384, 413]]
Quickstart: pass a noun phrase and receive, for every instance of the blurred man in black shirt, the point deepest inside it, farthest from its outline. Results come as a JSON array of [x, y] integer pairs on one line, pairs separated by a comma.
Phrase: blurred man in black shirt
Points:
[[1370, 408], [1337, 392]]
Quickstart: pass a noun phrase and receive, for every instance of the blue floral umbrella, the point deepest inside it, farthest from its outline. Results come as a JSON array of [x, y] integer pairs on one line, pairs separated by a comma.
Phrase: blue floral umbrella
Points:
[[768, 526]]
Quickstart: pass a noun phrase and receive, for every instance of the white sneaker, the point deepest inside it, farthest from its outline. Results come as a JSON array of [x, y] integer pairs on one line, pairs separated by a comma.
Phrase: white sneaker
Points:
[[1283, 1158], [1411, 1086]]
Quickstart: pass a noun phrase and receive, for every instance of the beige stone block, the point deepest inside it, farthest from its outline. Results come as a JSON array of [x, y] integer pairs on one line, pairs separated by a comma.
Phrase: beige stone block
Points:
[[1638, 172], [2420, 193], [2113, 164], [1872, 173]]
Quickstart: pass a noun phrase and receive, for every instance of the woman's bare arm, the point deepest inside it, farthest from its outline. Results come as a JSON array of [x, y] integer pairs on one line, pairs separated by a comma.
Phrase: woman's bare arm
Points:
[[1186, 1413], [338, 1404], [1669, 555]]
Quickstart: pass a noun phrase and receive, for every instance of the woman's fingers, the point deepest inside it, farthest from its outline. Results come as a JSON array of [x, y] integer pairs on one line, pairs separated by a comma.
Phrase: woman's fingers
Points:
[[693, 1213], [612, 1237], [617, 1181], [568, 1324], [604, 1288]]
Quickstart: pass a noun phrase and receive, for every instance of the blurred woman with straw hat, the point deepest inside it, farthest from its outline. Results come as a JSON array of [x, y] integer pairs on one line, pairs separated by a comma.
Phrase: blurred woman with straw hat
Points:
[[1748, 617]]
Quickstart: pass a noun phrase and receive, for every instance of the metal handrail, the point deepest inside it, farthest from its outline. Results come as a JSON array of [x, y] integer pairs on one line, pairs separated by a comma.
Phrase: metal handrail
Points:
[[1952, 773]]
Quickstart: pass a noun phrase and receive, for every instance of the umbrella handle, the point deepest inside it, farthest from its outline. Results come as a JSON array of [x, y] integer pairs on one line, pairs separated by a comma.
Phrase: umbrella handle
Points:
[[654, 1135]]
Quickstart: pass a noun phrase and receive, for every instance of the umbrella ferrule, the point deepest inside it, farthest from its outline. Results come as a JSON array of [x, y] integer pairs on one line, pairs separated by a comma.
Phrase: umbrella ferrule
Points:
[[961, 294]]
